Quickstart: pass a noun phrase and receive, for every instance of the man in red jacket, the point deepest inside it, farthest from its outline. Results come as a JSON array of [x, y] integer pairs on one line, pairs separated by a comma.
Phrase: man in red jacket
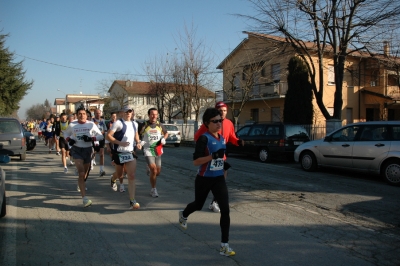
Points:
[[228, 132]]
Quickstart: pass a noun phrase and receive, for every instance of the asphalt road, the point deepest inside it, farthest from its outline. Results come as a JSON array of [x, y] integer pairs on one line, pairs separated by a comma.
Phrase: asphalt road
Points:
[[280, 215]]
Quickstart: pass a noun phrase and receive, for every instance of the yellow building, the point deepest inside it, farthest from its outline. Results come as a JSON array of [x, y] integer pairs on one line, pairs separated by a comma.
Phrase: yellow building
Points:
[[257, 69]]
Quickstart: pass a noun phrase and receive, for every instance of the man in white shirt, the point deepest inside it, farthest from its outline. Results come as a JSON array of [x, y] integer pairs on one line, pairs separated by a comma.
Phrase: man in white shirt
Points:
[[124, 137], [80, 135]]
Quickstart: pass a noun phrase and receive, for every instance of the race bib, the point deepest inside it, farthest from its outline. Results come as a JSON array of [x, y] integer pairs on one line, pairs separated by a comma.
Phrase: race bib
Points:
[[125, 157], [217, 164]]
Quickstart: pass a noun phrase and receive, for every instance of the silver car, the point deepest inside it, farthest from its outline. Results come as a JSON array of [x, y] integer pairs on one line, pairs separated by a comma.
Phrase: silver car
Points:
[[367, 146], [174, 135]]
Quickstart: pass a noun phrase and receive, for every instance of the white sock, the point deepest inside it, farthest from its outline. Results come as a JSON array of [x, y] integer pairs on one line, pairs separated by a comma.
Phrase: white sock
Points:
[[101, 168]]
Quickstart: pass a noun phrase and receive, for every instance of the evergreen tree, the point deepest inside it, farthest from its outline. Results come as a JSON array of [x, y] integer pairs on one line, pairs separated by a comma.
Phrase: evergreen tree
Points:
[[298, 107], [12, 85]]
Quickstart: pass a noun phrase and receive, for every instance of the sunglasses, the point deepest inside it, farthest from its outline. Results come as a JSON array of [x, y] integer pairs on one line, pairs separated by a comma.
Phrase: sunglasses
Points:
[[217, 121]]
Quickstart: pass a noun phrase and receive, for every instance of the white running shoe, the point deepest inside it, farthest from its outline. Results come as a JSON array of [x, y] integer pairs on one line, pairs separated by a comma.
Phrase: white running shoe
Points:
[[182, 220], [71, 162], [58, 153], [153, 193], [113, 184], [79, 190], [86, 202], [214, 207], [121, 188], [65, 170], [94, 162], [225, 250]]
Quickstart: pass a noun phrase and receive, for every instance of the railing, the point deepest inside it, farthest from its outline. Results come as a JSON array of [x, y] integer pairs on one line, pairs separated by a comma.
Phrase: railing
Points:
[[265, 90]]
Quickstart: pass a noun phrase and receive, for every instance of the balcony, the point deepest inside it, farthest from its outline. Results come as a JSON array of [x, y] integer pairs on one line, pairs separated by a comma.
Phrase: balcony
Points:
[[259, 91]]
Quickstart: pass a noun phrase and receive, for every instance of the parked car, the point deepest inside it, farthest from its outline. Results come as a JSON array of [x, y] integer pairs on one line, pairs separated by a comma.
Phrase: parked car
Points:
[[3, 210], [367, 146], [269, 140], [30, 140], [12, 139], [174, 135]]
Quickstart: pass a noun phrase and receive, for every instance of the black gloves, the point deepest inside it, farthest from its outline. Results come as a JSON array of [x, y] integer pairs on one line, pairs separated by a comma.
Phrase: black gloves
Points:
[[241, 142], [71, 142], [86, 138], [218, 154]]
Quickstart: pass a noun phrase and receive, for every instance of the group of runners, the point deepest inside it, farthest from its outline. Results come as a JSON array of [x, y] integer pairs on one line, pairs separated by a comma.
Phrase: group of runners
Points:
[[122, 136], [85, 137]]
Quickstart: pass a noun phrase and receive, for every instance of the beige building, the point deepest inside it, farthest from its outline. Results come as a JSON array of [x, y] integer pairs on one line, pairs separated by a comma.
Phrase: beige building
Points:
[[72, 102], [143, 95], [259, 63]]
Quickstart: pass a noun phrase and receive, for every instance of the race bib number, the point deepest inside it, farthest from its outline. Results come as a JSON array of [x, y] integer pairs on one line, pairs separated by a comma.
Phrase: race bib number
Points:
[[217, 164], [125, 157]]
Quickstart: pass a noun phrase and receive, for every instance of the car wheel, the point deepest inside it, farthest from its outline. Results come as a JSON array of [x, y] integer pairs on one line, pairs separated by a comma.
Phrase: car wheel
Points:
[[177, 144], [3, 207], [391, 172], [308, 161], [22, 157], [264, 155]]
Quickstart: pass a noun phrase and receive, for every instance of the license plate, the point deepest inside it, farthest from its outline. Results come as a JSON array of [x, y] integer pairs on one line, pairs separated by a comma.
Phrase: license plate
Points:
[[298, 142], [4, 143]]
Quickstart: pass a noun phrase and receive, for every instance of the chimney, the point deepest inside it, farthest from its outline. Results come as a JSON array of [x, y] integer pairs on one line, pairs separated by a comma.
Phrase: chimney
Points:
[[128, 83], [386, 48]]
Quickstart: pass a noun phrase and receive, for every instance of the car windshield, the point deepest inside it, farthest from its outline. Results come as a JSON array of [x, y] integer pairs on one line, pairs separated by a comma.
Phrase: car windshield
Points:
[[171, 128], [7, 127], [293, 130]]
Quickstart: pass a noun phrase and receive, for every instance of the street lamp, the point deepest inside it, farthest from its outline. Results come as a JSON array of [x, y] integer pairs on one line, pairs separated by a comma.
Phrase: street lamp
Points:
[[66, 100]]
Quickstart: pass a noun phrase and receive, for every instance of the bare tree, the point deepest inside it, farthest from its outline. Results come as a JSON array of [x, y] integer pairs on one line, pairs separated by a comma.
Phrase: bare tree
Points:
[[193, 72], [337, 27]]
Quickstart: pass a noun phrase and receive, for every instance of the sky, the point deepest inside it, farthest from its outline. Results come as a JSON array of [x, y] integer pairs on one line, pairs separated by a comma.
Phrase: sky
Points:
[[72, 46]]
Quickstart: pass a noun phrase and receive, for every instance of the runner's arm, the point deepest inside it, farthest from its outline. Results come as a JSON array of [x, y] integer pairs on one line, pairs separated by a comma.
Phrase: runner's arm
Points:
[[199, 156]]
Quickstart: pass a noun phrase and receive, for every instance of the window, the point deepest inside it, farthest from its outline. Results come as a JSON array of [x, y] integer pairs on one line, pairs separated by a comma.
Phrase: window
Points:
[[243, 131], [345, 134], [373, 133], [349, 115], [257, 130], [331, 75], [236, 81], [276, 114], [254, 114], [276, 72]]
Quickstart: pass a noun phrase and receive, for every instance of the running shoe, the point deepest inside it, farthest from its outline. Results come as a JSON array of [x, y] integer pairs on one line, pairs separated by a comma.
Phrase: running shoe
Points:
[[71, 163], [133, 205], [182, 220], [94, 162], [214, 207], [121, 188], [86, 202], [113, 184], [65, 170], [79, 190], [225, 250], [102, 173], [58, 153], [153, 193]]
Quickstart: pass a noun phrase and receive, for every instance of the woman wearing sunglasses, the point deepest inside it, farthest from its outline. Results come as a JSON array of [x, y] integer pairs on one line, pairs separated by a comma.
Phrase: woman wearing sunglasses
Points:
[[209, 156]]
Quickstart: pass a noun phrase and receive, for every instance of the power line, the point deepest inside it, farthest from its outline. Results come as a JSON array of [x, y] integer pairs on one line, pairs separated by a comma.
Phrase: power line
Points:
[[77, 68], [97, 71]]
